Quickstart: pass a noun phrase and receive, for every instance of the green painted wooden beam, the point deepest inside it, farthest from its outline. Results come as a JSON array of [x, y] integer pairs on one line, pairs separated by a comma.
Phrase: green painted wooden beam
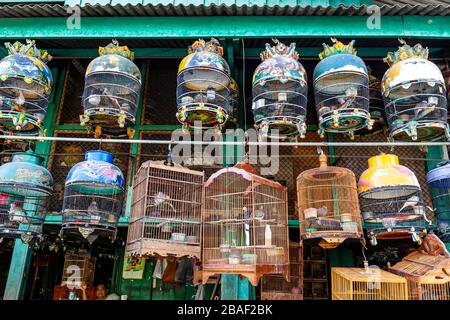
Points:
[[19, 268], [228, 26]]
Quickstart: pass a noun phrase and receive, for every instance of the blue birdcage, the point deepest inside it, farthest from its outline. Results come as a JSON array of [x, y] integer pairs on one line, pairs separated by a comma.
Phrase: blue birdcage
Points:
[[25, 187], [93, 198]]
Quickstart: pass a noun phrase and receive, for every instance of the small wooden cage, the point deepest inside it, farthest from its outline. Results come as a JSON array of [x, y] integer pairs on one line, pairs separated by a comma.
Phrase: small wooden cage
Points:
[[78, 268], [328, 204], [367, 284], [427, 271], [275, 287], [165, 211], [245, 225]]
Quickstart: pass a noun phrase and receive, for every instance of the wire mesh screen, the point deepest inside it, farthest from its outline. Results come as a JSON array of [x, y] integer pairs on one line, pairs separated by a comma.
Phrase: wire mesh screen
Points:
[[65, 154], [328, 203], [166, 211], [71, 103], [244, 226], [22, 211], [275, 287], [161, 104]]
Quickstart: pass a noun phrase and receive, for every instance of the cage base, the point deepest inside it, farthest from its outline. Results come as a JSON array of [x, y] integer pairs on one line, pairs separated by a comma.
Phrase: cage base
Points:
[[424, 132], [273, 295], [208, 116], [287, 129], [147, 248], [342, 121]]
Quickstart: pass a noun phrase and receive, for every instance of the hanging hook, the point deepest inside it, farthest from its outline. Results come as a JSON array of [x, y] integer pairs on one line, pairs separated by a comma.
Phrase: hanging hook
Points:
[[320, 151], [169, 161]]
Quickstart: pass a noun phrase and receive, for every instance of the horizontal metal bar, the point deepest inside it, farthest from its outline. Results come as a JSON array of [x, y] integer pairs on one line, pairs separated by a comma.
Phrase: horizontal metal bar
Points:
[[235, 143]]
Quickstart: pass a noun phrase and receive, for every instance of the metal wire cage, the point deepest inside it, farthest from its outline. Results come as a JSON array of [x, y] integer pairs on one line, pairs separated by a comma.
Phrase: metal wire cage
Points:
[[367, 284], [93, 198], [438, 181], [414, 96], [203, 86], [341, 89], [112, 90], [275, 287], [328, 205], [391, 200], [166, 211], [25, 187], [280, 93], [25, 87], [426, 270], [245, 225]]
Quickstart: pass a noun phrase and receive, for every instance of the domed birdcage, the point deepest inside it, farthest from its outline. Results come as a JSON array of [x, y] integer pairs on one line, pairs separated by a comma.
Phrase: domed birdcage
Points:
[[391, 200], [111, 92], [25, 187], [414, 95], [280, 93], [376, 106], [341, 89], [245, 225], [438, 181], [25, 87], [93, 198], [328, 205], [203, 86]]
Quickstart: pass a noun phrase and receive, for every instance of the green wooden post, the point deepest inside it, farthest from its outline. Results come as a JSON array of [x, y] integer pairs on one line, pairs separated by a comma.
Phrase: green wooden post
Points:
[[21, 257]]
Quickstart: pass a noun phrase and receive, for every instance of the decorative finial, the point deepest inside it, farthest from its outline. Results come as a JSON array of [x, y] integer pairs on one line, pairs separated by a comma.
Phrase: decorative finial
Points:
[[212, 45], [337, 48], [405, 51], [28, 49], [279, 49], [114, 48]]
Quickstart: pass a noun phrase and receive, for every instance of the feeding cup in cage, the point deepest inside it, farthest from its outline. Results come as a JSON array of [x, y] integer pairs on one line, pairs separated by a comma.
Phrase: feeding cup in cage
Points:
[[203, 86], [25, 87], [93, 198], [341, 90], [414, 96], [111, 91], [280, 93], [25, 187], [438, 181], [391, 200]]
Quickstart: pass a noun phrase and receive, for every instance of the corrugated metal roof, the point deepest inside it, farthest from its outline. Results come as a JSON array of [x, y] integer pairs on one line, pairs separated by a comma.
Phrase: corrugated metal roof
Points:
[[207, 8]]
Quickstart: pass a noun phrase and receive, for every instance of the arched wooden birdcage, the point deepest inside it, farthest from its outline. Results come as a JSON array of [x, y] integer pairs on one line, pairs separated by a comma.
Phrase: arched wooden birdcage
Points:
[[341, 89], [245, 225], [166, 211], [203, 86], [111, 91], [427, 271], [328, 205], [93, 198], [391, 200], [438, 181], [275, 287], [280, 92], [25, 187], [25, 87], [414, 95]]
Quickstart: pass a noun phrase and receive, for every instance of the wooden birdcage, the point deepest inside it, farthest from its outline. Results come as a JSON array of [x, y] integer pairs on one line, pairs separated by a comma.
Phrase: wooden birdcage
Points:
[[165, 211], [245, 225], [78, 268], [275, 287], [427, 271], [367, 284], [328, 205]]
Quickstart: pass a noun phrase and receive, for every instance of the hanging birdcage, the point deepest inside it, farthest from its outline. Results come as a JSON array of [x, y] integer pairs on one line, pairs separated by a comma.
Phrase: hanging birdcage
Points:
[[328, 205], [93, 198], [25, 87], [341, 89], [203, 86], [414, 95], [25, 187], [111, 91], [391, 200], [245, 225], [280, 93], [427, 271], [438, 181], [376, 106], [166, 211]]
